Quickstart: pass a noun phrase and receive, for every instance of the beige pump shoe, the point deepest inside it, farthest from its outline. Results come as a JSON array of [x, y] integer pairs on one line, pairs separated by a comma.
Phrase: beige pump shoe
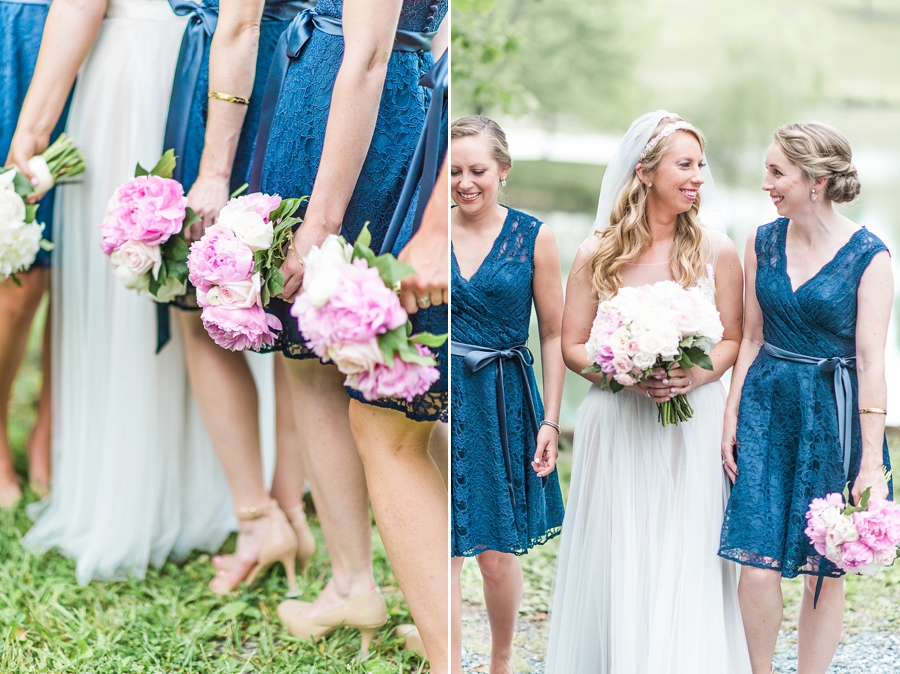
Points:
[[306, 542], [366, 613], [412, 640], [279, 545]]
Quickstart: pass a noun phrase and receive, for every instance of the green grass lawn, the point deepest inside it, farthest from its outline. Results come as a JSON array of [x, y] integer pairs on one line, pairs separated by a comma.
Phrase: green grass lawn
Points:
[[171, 621]]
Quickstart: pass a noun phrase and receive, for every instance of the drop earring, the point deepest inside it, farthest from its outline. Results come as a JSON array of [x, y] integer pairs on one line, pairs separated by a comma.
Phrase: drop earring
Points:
[[502, 182], [813, 196]]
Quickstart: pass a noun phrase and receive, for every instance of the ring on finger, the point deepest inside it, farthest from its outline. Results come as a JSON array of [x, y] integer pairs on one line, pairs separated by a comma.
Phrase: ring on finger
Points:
[[648, 394], [424, 302]]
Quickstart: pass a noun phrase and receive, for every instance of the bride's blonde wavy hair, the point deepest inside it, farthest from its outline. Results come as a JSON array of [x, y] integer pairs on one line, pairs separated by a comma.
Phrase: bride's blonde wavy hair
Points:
[[628, 233]]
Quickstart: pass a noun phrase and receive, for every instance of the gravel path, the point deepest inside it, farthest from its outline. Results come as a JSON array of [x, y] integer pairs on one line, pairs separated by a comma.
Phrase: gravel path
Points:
[[865, 653]]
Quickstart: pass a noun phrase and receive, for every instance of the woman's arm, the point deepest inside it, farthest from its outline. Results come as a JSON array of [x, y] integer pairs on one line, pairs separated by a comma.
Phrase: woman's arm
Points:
[[751, 342], [69, 32], [428, 252], [232, 70], [369, 29], [546, 285], [875, 297]]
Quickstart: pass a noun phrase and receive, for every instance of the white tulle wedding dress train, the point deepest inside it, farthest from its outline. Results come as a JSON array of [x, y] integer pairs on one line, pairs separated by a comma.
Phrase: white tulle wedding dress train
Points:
[[135, 479]]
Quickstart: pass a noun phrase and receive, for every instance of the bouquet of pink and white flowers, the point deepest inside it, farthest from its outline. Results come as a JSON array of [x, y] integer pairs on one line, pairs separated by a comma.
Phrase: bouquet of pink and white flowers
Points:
[[350, 314], [235, 268], [141, 233], [859, 539], [20, 233], [653, 326]]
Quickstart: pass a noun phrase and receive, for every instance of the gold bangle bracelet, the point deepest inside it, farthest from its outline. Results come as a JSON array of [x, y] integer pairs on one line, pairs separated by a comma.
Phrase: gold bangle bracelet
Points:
[[228, 97], [872, 410], [294, 251]]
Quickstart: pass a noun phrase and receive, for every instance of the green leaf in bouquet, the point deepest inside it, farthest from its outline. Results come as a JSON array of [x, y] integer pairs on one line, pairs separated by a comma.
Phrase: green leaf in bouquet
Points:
[[31, 212], [365, 238], [46, 245], [165, 166], [409, 354], [684, 360], [391, 270], [178, 269], [699, 357], [176, 248], [392, 341], [259, 258], [429, 339], [21, 185], [614, 386], [140, 171], [155, 285], [264, 296], [591, 369], [239, 191], [190, 218], [161, 273], [275, 282]]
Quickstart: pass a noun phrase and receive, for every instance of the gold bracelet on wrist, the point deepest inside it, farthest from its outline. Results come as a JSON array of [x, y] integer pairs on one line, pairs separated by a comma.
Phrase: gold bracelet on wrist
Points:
[[872, 410], [294, 251], [228, 97]]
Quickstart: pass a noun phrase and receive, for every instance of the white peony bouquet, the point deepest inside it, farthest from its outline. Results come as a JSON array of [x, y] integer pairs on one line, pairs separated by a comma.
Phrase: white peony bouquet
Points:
[[653, 326]]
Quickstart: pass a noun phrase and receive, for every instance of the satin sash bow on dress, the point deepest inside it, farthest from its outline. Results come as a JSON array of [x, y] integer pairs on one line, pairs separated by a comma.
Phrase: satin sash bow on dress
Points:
[[290, 46], [843, 390], [423, 169], [476, 358]]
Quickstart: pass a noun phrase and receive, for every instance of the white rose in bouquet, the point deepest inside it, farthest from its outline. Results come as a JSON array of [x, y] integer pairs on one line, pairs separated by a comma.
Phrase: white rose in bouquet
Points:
[[356, 357], [12, 206], [247, 225], [236, 295], [140, 257], [323, 269], [19, 243], [128, 278]]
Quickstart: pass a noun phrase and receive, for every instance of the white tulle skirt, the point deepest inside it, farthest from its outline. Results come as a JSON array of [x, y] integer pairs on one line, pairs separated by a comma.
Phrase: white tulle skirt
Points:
[[135, 479], [639, 587]]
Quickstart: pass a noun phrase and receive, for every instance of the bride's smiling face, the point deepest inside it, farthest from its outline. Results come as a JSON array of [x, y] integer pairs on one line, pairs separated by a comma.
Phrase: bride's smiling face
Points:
[[475, 174], [679, 177]]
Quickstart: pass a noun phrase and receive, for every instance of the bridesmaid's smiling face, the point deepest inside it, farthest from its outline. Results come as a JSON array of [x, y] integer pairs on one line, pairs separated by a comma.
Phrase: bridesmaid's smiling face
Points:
[[784, 182], [475, 174], [678, 177]]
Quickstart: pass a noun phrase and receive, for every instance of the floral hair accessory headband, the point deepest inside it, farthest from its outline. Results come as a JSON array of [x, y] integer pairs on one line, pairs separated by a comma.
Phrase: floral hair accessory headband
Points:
[[668, 130]]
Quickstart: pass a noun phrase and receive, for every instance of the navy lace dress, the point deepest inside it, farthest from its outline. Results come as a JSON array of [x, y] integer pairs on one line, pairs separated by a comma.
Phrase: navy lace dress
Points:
[[298, 132], [20, 40], [493, 309], [189, 155], [789, 450]]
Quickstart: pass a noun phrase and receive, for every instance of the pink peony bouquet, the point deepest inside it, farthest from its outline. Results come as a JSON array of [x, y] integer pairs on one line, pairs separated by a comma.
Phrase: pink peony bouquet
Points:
[[653, 326], [235, 268], [141, 232], [20, 233], [859, 539], [349, 313]]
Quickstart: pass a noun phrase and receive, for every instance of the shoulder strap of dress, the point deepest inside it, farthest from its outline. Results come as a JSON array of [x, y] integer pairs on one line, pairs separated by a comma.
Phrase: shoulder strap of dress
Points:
[[590, 245], [715, 241]]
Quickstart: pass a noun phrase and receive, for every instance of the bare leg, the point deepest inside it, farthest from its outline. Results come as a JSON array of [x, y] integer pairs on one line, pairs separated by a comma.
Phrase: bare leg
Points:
[[226, 395], [759, 593], [336, 478], [290, 475], [17, 308], [410, 505], [820, 629], [456, 565], [39, 443], [503, 586], [439, 449]]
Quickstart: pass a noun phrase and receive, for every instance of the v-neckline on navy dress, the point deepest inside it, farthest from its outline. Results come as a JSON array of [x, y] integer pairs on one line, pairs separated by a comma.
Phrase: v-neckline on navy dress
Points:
[[509, 212], [825, 266]]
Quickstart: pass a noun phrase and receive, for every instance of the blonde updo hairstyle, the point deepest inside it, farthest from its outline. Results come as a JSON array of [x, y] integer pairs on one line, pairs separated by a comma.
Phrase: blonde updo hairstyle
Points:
[[821, 151], [628, 235], [475, 125]]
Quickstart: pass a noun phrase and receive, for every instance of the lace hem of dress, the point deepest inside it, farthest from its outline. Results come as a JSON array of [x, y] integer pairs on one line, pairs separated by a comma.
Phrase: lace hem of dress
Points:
[[430, 406], [815, 565], [515, 550]]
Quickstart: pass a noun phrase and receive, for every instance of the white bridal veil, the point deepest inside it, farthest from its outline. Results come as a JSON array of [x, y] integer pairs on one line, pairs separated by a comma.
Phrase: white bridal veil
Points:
[[625, 158]]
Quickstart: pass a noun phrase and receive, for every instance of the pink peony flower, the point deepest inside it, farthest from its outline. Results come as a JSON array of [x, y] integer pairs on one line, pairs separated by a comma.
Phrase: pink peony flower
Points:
[[855, 554], [262, 204], [240, 329], [879, 525], [622, 364], [111, 235], [359, 309], [624, 379], [148, 209], [404, 380], [219, 258]]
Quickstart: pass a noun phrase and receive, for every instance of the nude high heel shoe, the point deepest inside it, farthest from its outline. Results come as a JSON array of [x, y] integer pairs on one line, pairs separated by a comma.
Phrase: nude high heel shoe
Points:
[[366, 613], [306, 542], [279, 545]]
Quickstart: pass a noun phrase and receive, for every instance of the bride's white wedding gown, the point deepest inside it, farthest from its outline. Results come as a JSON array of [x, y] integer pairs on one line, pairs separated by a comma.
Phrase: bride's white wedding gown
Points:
[[639, 586], [135, 479]]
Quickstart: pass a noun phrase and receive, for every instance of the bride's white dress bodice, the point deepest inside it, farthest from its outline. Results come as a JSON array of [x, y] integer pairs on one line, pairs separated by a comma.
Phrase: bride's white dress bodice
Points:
[[153, 10]]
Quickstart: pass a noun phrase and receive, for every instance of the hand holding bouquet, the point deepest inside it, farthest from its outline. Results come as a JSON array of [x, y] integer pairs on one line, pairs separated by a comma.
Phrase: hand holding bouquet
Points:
[[142, 232], [350, 314], [235, 267], [653, 326], [20, 234], [859, 539]]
